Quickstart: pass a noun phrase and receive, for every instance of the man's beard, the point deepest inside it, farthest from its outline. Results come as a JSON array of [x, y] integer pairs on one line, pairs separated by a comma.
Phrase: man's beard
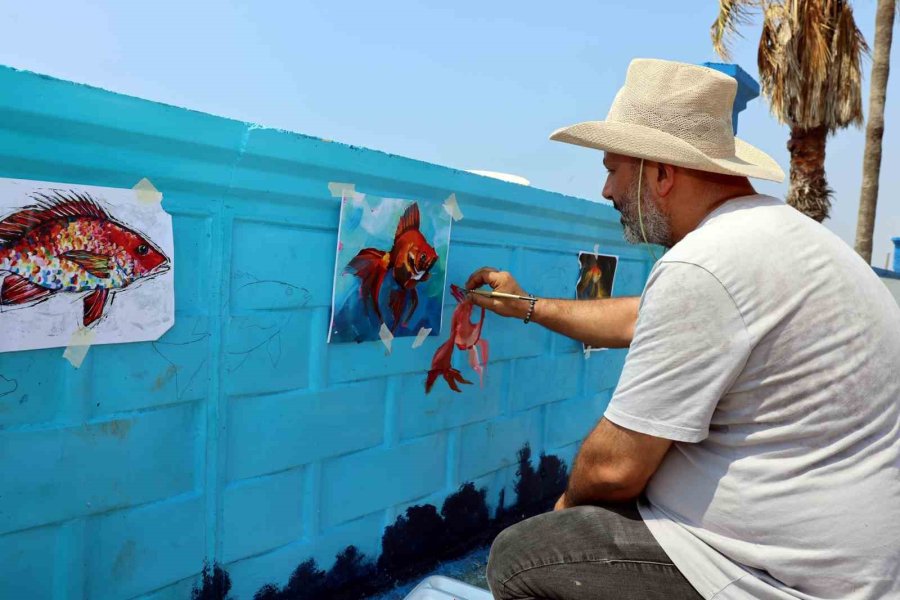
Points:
[[656, 225]]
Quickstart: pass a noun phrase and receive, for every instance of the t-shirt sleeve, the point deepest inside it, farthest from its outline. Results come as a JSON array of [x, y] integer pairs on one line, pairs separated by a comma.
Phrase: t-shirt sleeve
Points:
[[689, 346]]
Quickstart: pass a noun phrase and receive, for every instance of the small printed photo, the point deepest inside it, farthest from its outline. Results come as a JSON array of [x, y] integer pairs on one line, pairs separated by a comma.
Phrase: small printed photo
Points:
[[596, 275]]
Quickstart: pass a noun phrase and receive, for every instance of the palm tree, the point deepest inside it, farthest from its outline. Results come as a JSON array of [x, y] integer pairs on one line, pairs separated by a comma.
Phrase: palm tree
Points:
[[881, 58], [809, 66]]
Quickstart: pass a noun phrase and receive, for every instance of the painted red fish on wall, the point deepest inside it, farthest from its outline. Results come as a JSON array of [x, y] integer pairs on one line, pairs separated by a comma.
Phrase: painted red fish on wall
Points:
[[409, 261], [67, 243], [465, 335]]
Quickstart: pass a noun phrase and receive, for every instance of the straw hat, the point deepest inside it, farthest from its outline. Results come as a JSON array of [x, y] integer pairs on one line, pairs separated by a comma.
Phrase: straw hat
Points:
[[678, 114]]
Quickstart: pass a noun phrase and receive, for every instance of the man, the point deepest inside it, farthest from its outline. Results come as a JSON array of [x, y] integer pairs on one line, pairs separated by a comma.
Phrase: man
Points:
[[752, 446]]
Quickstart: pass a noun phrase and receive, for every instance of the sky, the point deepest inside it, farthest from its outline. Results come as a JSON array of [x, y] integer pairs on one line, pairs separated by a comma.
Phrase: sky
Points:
[[470, 84]]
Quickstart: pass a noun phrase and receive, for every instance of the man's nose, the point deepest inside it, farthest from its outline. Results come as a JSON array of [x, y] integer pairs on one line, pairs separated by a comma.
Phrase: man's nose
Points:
[[607, 191], [608, 195]]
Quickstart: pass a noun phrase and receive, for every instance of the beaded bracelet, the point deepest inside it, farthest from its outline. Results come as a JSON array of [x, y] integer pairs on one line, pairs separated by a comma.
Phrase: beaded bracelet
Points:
[[530, 309]]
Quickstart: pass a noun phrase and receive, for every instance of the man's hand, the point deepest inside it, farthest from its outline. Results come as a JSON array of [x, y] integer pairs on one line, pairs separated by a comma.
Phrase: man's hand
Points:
[[562, 503], [499, 281], [606, 323]]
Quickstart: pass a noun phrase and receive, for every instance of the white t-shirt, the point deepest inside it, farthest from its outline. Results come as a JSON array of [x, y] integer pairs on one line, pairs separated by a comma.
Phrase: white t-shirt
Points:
[[770, 352]]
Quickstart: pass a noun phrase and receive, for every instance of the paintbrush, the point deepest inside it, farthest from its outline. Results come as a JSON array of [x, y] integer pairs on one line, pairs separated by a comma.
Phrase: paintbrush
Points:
[[493, 294]]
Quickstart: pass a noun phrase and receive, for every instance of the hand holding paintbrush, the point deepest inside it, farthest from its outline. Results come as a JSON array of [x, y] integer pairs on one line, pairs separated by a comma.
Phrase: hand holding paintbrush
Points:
[[493, 294], [506, 298]]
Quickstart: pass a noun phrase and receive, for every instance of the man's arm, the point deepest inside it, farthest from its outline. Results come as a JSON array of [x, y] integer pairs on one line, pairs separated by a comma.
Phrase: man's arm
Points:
[[607, 323], [613, 464]]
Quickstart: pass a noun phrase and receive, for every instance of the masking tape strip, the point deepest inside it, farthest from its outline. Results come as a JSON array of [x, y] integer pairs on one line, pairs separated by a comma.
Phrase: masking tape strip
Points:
[[424, 332], [147, 192], [386, 337], [452, 208], [596, 250], [78, 347], [339, 190]]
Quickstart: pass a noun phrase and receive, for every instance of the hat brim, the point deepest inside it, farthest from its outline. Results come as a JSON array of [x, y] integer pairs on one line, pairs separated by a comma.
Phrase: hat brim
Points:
[[652, 144]]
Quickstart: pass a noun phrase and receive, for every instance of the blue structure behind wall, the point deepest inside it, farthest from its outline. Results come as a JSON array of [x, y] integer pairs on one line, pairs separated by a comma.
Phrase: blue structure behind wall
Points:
[[240, 440]]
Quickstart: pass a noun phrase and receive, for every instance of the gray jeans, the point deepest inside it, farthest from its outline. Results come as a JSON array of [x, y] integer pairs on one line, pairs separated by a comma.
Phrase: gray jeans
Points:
[[584, 553]]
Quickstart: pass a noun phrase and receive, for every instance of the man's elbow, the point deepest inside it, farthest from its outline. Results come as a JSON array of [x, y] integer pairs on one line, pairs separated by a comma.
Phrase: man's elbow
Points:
[[619, 484], [625, 491]]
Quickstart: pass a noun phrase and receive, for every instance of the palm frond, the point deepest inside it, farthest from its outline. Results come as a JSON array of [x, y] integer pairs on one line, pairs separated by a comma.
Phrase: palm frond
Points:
[[816, 24], [809, 59], [848, 48], [773, 60], [732, 14]]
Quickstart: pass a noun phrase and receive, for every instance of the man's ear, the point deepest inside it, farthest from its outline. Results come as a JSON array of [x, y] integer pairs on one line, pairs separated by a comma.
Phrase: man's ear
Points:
[[665, 179]]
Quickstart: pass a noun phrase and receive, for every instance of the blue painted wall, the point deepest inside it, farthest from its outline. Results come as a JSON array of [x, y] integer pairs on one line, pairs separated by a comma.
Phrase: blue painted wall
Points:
[[240, 437]]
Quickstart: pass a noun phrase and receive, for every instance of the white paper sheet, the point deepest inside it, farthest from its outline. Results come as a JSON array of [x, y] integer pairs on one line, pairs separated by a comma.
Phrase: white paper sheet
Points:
[[140, 305]]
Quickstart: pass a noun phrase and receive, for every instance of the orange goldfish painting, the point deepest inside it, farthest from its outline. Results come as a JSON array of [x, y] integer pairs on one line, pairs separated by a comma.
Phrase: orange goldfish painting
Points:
[[409, 261], [67, 243], [393, 282], [596, 276]]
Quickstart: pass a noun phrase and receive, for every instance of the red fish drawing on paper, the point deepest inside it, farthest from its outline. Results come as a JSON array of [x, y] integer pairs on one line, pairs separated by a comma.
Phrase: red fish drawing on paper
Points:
[[465, 335], [409, 261], [67, 243]]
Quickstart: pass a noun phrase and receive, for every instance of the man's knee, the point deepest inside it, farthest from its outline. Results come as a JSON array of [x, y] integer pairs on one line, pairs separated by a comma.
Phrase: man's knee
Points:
[[550, 537], [508, 552], [505, 553]]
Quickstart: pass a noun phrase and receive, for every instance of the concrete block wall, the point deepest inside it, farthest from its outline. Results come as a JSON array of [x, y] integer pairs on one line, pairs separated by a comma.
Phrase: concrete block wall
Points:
[[240, 438]]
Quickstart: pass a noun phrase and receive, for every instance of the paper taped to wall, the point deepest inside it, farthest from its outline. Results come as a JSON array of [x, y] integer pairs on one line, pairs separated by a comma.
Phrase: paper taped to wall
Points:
[[596, 277], [79, 345], [424, 332], [104, 248], [386, 336], [390, 268], [341, 190], [452, 208], [147, 192]]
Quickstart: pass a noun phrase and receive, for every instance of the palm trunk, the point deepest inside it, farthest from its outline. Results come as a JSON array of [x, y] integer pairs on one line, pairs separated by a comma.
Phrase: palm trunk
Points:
[[868, 197], [809, 192]]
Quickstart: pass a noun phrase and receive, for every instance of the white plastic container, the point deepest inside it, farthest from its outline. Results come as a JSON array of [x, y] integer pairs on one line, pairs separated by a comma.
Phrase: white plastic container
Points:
[[438, 587]]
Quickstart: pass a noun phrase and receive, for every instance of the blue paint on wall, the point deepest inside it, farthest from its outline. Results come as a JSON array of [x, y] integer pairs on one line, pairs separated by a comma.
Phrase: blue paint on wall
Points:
[[417, 542], [239, 438]]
